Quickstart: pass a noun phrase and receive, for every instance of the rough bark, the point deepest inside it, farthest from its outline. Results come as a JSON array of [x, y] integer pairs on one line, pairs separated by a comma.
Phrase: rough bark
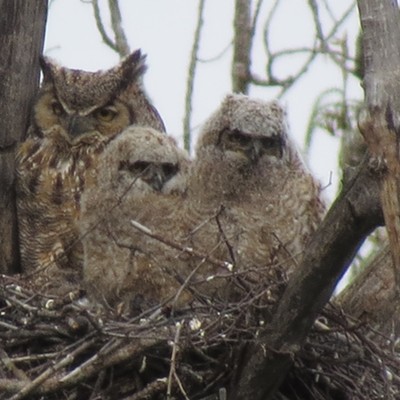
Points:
[[380, 124], [22, 26], [374, 295], [352, 217], [371, 297]]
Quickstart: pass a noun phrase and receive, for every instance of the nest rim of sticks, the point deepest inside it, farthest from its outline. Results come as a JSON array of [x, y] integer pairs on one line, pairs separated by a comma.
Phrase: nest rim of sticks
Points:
[[59, 347]]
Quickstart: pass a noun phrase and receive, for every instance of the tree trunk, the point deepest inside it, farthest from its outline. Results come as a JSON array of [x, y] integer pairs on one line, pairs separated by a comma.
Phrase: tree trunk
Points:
[[371, 297], [22, 30], [380, 124]]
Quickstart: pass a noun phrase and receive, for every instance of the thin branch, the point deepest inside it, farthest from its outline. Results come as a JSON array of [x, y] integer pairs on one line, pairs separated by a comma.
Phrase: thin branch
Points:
[[191, 77], [255, 17], [99, 23], [67, 360], [221, 264], [317, 23], [172, 369], [121, 42], [320, 46], [217, 56]]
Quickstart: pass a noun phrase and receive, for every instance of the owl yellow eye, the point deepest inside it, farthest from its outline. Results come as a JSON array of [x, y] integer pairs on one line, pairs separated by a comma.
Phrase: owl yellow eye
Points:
[[57, 108], [105, 114]]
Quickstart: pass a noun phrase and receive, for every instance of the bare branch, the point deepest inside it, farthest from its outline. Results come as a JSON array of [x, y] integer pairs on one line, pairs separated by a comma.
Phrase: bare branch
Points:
[[255, 17], [99, 23], [320, 46], [67, 360], [121, 42], [190, 79], [221, 264], [242, 27]]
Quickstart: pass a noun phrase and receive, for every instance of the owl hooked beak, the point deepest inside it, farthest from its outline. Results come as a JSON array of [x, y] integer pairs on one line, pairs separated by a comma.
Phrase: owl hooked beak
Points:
[[260, 147], [153, 173], [77, 125], [255, 151], [157, 180], [158, 174]]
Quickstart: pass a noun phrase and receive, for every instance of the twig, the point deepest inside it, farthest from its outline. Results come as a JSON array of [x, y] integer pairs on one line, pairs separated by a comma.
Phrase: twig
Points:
[[222, 232], [29, 389], [149, 392], [9, 363], [221, 264], [99, 23], [173, 358]]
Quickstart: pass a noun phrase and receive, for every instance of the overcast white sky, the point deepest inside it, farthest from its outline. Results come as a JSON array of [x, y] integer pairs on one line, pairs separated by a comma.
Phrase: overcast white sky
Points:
[[164, 31]]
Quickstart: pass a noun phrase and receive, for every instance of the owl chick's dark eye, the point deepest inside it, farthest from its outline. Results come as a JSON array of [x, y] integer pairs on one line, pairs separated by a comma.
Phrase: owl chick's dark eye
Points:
[[105, 114], [140, 166], [269, 142], [136, 168], [169, 170], [239, 138], [57, 108]]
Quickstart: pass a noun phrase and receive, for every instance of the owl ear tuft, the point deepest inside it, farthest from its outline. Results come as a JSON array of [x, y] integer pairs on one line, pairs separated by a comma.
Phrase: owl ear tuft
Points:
[[132, 67]]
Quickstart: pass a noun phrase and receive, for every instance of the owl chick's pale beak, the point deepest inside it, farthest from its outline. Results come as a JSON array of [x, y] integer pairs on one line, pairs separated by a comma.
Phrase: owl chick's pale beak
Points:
[[255, 151], [156, 178], [263, 146]]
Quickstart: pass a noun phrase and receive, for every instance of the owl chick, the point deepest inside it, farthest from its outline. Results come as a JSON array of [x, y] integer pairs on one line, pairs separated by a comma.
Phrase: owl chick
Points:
[[141, 176], [75, 115], [250, 199]]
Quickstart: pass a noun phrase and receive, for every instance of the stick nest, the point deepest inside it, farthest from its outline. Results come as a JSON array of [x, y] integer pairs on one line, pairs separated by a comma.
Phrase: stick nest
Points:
[[61, 348]]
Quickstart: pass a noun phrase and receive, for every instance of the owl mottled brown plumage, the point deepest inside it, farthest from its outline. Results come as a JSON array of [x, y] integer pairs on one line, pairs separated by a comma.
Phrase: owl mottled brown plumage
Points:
[[75, 115], [141, 176], [249, 173]]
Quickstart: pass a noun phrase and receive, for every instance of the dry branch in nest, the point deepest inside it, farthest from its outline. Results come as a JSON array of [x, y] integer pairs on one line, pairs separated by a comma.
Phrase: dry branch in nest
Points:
[[60, 348]]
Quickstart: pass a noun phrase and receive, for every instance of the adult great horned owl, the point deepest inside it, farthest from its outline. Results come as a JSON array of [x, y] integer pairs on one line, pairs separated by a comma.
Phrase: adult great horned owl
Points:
[[75, 115], [141, 176]]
